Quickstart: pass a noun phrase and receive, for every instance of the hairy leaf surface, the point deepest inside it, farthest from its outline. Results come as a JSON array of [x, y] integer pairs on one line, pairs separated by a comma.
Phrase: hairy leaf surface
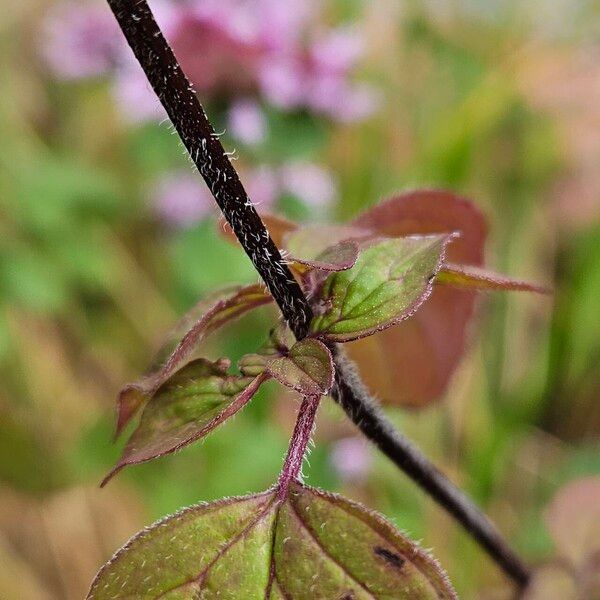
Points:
[[390, 280], [305, 366], [310, 545], [200, 321], [185, 408]]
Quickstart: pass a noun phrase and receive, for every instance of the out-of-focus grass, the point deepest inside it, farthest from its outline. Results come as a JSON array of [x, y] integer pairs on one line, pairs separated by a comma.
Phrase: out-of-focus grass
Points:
[[491, 106]]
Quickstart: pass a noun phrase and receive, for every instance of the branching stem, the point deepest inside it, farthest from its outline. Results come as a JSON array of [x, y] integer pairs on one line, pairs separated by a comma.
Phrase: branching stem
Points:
[[206, 151]]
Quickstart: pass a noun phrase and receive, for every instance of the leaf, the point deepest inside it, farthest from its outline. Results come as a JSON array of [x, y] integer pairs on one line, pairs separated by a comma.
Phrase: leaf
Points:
[[388, 283], [203, 319], [411, 364], [309, 545], [308, 368], [311, 240], [185, 408], [468, 276], [305, 366], [338, 257]]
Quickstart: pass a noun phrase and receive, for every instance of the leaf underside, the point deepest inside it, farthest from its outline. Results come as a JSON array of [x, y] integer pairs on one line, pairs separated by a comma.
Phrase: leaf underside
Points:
[[310, 545], [339, 257], [204, 318], [187, 407], [475, 278], [305, 366], [389, 281]]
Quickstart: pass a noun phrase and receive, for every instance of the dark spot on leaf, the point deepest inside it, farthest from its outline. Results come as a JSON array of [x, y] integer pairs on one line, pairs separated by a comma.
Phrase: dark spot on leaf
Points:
[[347, 596], [390, 557]]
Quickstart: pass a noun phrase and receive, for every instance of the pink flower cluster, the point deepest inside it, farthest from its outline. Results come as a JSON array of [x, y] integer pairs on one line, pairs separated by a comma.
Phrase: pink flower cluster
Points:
[[277, 52], [181, 198]]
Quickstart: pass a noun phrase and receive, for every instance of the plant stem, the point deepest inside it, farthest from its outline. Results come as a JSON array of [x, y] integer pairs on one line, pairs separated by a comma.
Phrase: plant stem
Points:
[[297, 448], [351, 394], [206, 151], [198, 136]]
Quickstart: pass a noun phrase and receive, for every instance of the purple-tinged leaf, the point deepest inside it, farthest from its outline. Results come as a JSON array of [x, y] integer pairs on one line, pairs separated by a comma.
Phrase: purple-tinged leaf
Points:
[[312, 240], [411, 364], [305, 366], [338, 257], [388, 283], [203, 319], [308, 368], [475, 278], [310, 544], [186, 407]]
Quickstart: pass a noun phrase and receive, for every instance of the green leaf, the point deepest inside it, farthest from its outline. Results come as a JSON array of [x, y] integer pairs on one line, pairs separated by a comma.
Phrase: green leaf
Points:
[[184, 340], [309, 545], [388, 283], [475, 278], [187, 407], [305, 366]]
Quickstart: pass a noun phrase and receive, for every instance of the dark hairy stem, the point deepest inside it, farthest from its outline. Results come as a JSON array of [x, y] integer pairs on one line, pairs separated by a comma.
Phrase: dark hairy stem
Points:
[[206, 151], [352, 395], [183, 108]]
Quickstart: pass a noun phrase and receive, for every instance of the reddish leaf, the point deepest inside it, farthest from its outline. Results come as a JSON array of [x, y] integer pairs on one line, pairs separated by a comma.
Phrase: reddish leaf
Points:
[[305, 366], [185, 408], [470, 277], [410, 364], [312, 240], [339, 257], [204, 318], [310, 544]]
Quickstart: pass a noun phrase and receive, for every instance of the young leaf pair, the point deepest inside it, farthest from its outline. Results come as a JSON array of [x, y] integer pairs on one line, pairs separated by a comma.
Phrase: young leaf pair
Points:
[[360, 282], [293, 540], [412, 363], [182, 406], [310, 544]]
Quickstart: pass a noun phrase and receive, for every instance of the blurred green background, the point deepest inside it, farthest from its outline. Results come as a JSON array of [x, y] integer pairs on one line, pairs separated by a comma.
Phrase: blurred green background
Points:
[[497, 100]]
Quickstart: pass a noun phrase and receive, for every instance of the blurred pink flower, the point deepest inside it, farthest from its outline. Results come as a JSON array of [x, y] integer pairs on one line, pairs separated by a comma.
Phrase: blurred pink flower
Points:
[[247, 121], [228, 48], [309, 182], [338, 50], [282, 82], [263, 187], [357, 102], [181, 199], [80, 41], [134, 96], [350, 458]]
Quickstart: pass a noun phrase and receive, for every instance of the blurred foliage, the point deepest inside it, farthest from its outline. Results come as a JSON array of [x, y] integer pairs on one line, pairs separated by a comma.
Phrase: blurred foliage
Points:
[[491, 101]]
